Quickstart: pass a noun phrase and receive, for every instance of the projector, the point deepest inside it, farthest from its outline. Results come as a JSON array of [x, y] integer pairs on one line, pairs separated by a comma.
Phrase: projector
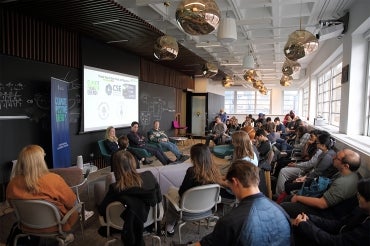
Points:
[[331, 31]]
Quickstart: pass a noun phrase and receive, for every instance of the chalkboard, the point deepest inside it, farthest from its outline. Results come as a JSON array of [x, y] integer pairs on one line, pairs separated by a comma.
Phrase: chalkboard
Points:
[[25, 89], [157, 102]]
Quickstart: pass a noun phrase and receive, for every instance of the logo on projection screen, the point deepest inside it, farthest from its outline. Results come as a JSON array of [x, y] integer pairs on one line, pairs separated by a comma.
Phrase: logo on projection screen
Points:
[[103, 110]]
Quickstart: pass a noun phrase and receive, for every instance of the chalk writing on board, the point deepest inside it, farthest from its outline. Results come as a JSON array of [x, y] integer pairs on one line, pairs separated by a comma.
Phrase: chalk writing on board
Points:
[[11, 95], [153, 108]]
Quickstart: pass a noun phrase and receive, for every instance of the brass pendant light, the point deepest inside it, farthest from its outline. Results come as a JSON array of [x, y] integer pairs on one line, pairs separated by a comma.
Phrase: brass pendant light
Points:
[[227, 81], [290, 67], [286, 80], [198, 17], [300, 43], [166, 47]]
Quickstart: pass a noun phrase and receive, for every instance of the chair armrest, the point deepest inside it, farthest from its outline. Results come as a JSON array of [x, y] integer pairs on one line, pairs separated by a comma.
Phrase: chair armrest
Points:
[[76, 208], [173, 202]]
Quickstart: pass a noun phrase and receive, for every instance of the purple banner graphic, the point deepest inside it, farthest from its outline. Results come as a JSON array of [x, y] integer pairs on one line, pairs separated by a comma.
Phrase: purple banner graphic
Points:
[[60, 124]]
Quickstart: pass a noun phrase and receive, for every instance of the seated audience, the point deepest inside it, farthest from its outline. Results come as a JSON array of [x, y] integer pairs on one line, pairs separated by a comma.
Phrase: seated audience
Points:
[[243, 148], [137, 191], [337, 200], [279, 127], [354, 229], [324, 166], [233, 126], [203, 172], [256, 220], [248, 122], [137, 140], [158, 136], [33, 180], [296, 169], [263, 144], [218, 133]]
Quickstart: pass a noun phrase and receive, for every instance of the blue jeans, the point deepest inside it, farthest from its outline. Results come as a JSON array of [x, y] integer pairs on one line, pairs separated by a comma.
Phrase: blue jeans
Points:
[[171, 147]]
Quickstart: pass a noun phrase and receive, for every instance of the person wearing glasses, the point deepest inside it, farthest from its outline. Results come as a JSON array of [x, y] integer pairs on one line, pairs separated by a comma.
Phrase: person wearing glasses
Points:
[[339, 199], [323, 166], [354, 229]]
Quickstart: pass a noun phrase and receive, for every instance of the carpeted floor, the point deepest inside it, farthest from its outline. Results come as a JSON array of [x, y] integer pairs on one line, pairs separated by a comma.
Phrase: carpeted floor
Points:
[[91, 235]]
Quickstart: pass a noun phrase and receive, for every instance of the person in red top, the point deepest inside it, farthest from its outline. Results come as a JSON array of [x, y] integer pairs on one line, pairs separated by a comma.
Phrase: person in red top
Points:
[[33, 180]]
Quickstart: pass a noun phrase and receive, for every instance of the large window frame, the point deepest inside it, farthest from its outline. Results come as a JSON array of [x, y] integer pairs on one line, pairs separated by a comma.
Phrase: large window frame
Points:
[[247, 102], [329, 93], [291, 101]]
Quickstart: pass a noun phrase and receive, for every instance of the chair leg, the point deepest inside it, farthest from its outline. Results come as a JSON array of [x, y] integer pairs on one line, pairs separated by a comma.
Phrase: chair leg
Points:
[[180, 226]]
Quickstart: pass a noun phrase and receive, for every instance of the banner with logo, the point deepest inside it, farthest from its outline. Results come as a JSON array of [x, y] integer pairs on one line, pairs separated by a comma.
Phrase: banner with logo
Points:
[[60, 124]]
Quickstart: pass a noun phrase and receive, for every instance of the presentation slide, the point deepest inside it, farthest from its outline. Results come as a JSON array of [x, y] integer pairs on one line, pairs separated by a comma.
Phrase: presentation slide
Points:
[[109, 99]]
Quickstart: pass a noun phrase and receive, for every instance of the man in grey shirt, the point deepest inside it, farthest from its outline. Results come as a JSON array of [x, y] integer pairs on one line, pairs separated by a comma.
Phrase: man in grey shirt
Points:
[[218, 132], [339, 195]]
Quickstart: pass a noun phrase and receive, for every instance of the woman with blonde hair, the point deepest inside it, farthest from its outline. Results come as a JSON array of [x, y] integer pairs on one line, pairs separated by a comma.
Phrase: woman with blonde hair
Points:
[[111, 140], [203, 172], [243, 148], [33, 180]]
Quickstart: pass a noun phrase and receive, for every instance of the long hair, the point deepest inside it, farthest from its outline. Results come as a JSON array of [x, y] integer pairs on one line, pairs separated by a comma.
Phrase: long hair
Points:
[[124, 168], [242, 145], [107, 136], [32, 166], [250, 130], [204, 168]]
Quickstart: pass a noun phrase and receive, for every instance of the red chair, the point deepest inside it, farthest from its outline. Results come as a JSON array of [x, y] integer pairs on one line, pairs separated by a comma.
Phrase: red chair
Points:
[[178, 128]]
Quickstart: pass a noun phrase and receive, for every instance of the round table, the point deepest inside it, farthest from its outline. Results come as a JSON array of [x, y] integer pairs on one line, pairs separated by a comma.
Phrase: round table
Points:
[[179, 139]]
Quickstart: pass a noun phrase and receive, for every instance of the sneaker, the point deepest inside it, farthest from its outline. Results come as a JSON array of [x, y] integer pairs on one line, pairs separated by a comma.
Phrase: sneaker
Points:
[[69, 238], [169, 233], [88, 214]]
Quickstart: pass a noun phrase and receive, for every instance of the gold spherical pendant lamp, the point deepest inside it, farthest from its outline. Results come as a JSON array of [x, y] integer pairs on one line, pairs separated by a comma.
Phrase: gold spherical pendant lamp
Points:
[[286, 80], [300, 43], [198, 17], [258, 84], [290, 67], [250, 75], [227, 81], [166, 48]]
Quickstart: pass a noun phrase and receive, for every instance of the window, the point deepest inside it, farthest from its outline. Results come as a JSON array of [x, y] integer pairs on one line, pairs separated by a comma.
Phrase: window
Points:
[[305, 102], [247, 102], [290, 102], [329, 94]]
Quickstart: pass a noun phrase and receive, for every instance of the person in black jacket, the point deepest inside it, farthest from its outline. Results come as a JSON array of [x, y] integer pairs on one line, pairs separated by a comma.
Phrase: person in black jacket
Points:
[[136, 139], [352, 230], [137, 192]]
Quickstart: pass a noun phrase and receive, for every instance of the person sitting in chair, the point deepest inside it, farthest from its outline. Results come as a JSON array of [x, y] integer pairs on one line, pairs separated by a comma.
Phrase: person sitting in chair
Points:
[[33, 180], [159, 137], [137, 191], [248, 223], [218, 132], [138, 140]]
